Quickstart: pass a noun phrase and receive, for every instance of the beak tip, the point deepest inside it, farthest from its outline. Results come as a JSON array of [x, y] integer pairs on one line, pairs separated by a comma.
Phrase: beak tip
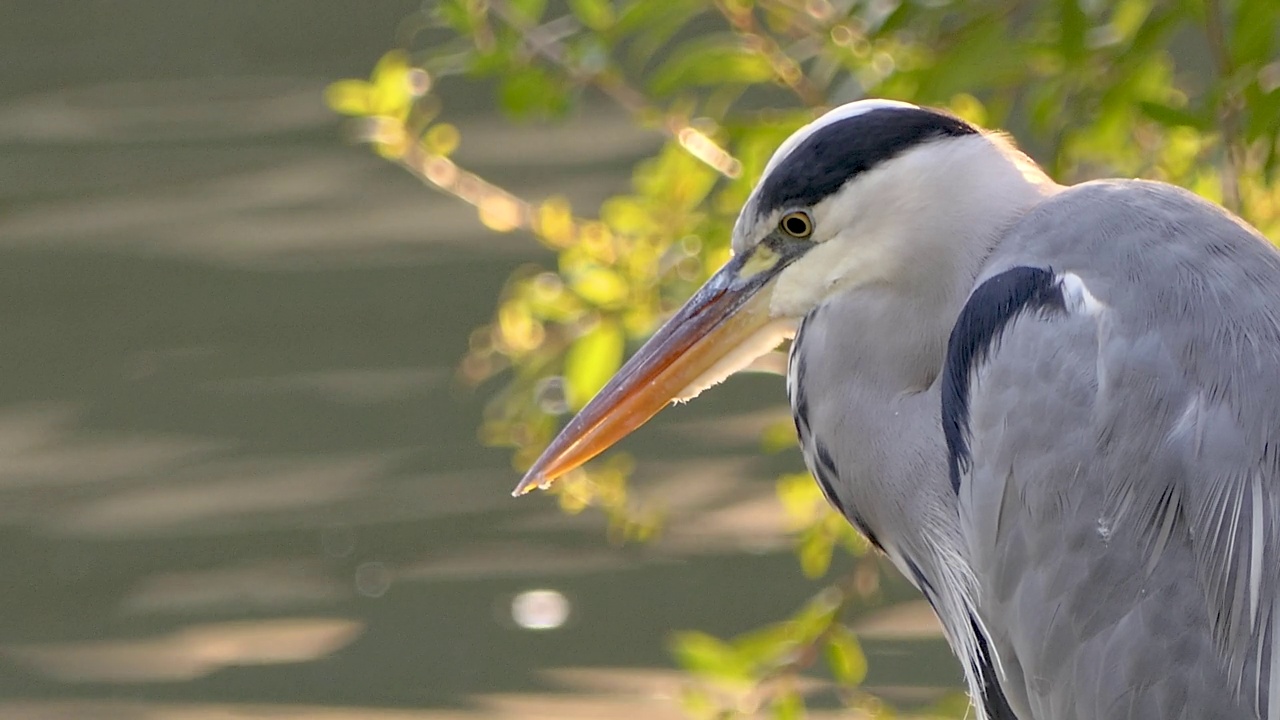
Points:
[[530, 482]]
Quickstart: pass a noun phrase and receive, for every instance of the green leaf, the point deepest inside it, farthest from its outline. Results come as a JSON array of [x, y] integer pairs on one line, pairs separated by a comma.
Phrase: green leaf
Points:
[[601, 287], [787, 706], [697, 703], [980, 56], [767, 646], [1072, 26], [845, 657], [1254, 32], [528, 11], [454, 14], [815, 552], [799, 495], [532, 91], [595, 14], [1128, 17], [654, 24], [1170, 116], [712, 61], [591, 361], [349, 97], [704, 654], [816, 616]]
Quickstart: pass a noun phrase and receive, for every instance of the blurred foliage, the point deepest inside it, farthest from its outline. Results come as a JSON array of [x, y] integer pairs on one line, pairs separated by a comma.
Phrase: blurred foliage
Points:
[[1186, 91]]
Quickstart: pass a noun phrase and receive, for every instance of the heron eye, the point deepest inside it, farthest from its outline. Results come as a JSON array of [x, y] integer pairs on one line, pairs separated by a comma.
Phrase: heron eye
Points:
[[797, 224]]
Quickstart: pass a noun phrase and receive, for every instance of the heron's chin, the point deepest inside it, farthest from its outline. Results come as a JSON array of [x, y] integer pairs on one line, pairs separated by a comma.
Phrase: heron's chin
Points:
[[765, 340]]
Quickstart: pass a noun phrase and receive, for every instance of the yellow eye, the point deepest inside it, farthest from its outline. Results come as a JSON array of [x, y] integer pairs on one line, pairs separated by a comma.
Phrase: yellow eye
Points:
[[796, 224]]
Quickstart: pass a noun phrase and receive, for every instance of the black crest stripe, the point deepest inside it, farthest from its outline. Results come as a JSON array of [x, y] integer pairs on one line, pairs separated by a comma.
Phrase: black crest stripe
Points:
[[984, 318], [823, 162]]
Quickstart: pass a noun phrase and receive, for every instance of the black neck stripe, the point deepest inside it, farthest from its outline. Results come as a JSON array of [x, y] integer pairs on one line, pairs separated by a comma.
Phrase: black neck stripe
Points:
[[833, 155]]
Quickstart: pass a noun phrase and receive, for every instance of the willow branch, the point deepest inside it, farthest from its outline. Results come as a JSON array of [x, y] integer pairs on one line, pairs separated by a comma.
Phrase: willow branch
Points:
[[1229, 115], [548, 46]]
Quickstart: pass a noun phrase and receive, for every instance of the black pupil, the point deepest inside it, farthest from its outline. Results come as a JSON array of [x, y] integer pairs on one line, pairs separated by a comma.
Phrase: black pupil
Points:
[[796, 225]]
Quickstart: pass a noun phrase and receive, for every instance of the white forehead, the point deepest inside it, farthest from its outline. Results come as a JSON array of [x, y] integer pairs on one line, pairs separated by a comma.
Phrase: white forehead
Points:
[[834, 115]]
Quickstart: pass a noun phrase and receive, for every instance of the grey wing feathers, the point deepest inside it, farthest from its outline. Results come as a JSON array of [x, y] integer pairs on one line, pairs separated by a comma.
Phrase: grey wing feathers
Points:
[[1123, 498]]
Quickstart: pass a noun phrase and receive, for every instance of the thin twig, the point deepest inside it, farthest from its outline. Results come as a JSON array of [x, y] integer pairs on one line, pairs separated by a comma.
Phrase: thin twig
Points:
[[1234, 155], [549, 47], [785, 69]]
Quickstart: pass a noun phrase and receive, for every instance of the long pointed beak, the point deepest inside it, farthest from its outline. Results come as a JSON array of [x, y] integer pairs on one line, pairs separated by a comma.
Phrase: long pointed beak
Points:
[[690, 351]]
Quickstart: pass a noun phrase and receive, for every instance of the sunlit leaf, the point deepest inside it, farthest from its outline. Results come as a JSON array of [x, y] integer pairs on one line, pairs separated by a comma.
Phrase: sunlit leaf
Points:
[[349, 97], [592, 360], [1128, 17], [441, 139], [595, 14], [704, 654], [528, 11], [392, 92], [710, 61], [697, 704], [845, 658], [601, 287], [799, 495], [815, 554], [816, 617], [788, 705], [768, 645]]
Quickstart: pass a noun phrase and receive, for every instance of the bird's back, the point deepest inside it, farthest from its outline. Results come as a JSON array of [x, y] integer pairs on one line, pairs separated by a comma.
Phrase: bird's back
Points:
[[1118, 457]]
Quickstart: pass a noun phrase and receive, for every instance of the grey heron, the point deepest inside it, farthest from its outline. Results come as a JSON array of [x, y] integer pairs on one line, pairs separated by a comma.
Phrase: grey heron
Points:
[[1056, 409]]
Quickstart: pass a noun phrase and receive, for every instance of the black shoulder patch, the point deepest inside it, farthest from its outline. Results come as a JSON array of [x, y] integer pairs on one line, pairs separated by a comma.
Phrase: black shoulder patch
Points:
[[822, 163], [988, 311]]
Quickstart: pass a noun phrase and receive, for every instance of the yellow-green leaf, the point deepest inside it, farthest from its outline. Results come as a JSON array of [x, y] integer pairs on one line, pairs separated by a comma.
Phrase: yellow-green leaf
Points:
[[845, 657], [704, 654], [799, 495], [592, 360], [595, 14], [815, 555], [349, 97], [441, 139], [601, 287], [768, 645], [716, 60], [392, 93], [787, 706]]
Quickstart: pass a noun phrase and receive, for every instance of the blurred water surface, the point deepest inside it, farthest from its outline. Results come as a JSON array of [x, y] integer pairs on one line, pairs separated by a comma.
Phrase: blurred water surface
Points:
[[237, 478]]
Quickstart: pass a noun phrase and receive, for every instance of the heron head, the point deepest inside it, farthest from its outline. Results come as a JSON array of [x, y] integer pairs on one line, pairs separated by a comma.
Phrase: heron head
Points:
[[844, 202]]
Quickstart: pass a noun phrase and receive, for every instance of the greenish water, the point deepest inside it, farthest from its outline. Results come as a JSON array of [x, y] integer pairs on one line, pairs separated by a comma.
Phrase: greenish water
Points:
[[237, 478]]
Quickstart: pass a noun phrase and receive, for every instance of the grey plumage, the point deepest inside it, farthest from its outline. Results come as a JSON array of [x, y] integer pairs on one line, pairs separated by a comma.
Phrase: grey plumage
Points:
[[1126, 458], [1119, 454], [1056, 409]]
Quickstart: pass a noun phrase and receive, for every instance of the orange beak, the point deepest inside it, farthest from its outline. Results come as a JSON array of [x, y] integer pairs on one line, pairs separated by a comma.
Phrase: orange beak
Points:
[[724, 326]]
